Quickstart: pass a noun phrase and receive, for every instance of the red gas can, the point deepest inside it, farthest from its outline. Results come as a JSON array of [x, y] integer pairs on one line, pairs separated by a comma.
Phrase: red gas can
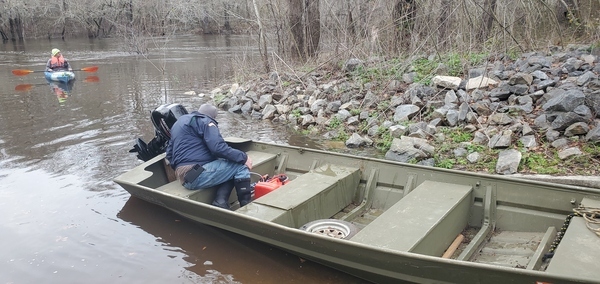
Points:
[[266, 184]]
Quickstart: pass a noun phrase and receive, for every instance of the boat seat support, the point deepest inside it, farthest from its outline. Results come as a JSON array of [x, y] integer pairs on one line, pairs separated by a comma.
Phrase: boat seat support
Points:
[[488, 226]]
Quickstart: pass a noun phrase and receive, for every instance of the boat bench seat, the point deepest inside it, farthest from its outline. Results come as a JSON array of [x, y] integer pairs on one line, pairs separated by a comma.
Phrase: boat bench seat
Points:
[[578, 251], [425, 221], [318, 194], [261, 162]]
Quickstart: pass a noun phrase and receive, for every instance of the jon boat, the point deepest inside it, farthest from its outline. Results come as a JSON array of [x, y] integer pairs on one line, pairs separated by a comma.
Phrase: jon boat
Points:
[[390, 222], [60, 76]]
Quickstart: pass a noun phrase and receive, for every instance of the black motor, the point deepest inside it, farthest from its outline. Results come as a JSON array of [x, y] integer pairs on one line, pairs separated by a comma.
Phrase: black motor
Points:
[[163, 118]]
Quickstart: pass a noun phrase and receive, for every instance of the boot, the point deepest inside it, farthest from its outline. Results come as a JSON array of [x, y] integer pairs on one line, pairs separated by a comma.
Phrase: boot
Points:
[[243, 190], [222, 195]]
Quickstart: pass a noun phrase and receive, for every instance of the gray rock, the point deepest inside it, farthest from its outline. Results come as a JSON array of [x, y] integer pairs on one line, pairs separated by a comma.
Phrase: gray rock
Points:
[[307, 119], [540, 75], [579, 128], [501, 119], [452, 117], [586, 77], [566, 101], [560, 143], [352, 64], [508, 162], [269, 112], [593, 135], [460, 152], [397, 131], [318, 105], [404, 150], [552, 135], [565, 119], [501, 140], [357, 141], [265, 100], [405, 112], [473, 157], [343, 115], [528, 141], [521, 78], [569, 152]]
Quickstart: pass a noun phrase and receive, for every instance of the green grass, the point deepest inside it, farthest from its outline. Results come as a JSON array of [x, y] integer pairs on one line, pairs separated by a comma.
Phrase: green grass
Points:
[[540, 163]]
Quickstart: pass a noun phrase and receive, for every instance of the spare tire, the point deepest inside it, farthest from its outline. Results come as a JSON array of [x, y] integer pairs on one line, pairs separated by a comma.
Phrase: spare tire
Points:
[[332, 228]]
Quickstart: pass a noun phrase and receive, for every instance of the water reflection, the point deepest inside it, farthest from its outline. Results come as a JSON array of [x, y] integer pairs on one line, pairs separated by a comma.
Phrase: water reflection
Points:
[[61, 90], [217, 256]]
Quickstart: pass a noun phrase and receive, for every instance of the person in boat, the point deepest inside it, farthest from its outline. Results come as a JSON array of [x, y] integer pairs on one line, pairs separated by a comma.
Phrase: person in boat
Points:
[[57, 62], [202, 159]]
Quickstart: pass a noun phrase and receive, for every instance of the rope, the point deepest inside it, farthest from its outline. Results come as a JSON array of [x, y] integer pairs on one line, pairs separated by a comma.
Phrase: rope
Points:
[[591, 216]]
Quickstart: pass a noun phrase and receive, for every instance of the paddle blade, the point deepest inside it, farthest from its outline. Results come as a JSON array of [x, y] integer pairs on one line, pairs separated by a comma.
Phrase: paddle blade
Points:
[[91, 79], [22, 72], [23, 87], [90, 69]]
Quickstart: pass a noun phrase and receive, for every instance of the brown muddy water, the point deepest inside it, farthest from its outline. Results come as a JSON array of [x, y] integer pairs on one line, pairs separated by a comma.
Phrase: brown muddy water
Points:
[[63, 219]]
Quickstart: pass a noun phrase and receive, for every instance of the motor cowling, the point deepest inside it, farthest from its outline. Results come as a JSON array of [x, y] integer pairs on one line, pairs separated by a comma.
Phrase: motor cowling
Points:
[[163, 118]]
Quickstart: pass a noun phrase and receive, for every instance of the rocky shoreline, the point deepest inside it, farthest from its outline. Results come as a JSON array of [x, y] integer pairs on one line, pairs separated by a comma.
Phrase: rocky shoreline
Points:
[[536, 113]]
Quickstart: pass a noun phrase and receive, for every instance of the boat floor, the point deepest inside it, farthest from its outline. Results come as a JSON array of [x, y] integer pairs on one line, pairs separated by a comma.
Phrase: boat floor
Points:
[[510, 249], [503, 248]]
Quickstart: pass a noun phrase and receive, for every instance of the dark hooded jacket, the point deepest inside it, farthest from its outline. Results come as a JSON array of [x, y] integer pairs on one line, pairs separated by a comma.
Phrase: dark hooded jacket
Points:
[[196, 139]]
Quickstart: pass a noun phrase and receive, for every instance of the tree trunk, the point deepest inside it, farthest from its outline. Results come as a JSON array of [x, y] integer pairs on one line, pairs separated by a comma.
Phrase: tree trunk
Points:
[[313, 27], [443, 22], [296, 28], [278, 27], [403, 13], [262, 42], [226, 25], [489, 9]]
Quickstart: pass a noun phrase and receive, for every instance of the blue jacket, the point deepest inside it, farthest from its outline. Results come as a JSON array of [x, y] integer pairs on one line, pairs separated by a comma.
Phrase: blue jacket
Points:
[[196, 139]]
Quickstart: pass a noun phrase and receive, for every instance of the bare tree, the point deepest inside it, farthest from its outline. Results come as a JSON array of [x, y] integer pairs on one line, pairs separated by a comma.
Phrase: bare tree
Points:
[[262, 42], [313, 27], [489, 9], [296, 8]]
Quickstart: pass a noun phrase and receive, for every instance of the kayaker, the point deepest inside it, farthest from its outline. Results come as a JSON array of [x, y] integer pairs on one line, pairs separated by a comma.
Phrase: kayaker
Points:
[[202, 159], [57, 62]]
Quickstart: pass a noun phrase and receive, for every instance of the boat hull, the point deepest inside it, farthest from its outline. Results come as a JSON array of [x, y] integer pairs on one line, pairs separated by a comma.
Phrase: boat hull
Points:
[[60, 76], [379, 182]]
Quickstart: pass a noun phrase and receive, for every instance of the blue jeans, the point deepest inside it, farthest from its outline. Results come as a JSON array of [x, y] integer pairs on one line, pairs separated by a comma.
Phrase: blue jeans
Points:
[[218, 172]]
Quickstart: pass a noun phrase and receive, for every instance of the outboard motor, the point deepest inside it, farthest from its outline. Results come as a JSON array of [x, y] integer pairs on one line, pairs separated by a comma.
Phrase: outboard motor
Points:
[[163, 118]]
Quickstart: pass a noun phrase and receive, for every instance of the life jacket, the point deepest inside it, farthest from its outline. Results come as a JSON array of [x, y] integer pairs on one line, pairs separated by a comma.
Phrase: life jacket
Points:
[[57, 62]]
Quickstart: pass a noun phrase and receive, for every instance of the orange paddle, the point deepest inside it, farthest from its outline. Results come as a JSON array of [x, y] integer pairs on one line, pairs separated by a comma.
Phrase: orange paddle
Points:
[[23, 72]]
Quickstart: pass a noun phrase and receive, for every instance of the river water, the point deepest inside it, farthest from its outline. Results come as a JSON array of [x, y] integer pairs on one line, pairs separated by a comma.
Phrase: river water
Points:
[[63, 219]]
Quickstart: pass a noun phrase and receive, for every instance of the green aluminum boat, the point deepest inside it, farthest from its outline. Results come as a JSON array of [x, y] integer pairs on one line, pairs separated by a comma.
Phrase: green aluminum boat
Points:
[[390, 222]]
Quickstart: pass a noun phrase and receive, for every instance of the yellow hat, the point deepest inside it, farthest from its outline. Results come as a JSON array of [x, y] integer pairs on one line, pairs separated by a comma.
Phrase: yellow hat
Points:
[[55, 51]]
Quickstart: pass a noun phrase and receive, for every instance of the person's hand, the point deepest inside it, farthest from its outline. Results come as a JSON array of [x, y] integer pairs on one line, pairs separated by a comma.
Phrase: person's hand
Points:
[[249, 163]]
